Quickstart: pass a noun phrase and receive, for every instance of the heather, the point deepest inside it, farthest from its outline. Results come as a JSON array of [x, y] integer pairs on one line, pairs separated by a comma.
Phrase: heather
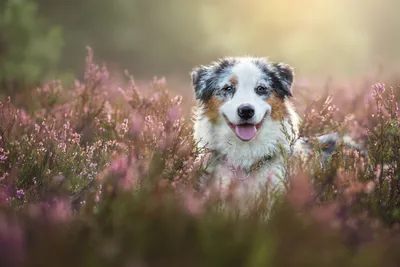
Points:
[[104, 173]]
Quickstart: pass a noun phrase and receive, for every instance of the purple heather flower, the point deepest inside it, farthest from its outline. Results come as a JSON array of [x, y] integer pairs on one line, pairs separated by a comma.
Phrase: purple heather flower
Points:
[[20, 194], [379, 87], [119, 165], [173, 114]]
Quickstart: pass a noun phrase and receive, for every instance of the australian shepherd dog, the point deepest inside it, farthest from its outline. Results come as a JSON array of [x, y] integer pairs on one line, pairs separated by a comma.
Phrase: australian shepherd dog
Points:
[[246, 121]]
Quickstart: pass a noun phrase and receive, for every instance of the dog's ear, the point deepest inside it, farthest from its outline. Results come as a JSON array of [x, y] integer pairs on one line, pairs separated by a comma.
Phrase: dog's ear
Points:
[[198, 75], [285, 75], [205, 77]]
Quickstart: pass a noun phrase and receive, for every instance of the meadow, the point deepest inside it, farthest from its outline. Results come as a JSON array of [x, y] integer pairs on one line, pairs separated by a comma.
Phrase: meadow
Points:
[[100, 173]]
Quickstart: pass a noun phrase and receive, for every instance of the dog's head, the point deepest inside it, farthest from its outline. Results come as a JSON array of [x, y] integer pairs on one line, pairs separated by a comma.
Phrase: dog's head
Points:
[[242, 92]]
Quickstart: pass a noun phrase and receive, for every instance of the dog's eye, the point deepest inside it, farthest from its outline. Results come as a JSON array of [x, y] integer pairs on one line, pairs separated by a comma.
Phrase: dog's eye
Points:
[[228, 88], [261, 90]]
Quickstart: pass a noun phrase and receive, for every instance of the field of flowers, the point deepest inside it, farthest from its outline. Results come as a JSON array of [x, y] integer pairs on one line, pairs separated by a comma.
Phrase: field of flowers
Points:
[[105, 175]]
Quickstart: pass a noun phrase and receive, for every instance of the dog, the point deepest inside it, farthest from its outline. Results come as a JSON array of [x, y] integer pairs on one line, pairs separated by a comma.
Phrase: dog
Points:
[[246, 121]]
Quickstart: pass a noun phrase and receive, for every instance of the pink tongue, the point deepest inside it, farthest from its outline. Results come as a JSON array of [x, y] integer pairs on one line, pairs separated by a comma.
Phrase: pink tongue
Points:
[[245, 131]]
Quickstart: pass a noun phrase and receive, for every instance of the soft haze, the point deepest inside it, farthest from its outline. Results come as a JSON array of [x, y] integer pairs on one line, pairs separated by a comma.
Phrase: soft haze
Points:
[[168, 37]]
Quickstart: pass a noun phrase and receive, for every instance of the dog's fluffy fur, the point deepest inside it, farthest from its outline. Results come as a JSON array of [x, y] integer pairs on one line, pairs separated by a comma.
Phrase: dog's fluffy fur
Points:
[[247, 146], [221, 88]]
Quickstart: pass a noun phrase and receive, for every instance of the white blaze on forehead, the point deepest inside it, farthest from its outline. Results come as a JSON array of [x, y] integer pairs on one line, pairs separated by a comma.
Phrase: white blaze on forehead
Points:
[[247, 74]]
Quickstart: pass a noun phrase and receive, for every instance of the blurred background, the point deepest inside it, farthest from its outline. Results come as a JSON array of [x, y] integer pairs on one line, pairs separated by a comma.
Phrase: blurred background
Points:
[[46, 39]]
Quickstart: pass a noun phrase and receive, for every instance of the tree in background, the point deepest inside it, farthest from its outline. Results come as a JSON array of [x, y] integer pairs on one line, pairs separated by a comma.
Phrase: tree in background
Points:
[[29, 48]]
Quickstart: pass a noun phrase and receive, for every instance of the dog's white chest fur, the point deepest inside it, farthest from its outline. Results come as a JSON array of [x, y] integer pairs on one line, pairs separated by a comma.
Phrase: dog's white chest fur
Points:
[[230, 175], [228, 181]]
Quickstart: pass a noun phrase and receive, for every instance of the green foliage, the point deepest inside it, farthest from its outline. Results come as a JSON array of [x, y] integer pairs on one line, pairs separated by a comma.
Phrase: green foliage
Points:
[[29, 48]]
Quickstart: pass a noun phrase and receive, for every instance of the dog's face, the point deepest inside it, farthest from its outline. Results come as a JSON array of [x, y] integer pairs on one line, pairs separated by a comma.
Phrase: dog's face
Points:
[[243, 92]]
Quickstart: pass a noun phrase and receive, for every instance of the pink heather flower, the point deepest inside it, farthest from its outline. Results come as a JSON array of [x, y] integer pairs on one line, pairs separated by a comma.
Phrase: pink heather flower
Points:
[[325, 213], [92, 165], [20, 194], [119, 165], [25, 118], [123, 93], [124, 127], [130, 181], [378, 171], [379, 87], [177, 100], [3, 175], [301, 191], [136, 125], [193, 204], [61, 211], [98, 193], [369, 187], [173, 114]]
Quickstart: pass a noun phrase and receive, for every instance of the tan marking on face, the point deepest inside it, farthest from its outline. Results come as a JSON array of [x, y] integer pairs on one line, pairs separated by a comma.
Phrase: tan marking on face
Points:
[[278, 107], [211, 109], [234, 80]]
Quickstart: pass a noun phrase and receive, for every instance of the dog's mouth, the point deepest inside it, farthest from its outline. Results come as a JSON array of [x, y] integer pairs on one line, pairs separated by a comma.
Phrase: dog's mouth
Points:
[[244, 131]]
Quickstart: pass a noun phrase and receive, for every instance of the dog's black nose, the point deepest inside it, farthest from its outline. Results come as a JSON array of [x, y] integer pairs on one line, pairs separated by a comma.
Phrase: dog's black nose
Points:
[[246, 111]]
